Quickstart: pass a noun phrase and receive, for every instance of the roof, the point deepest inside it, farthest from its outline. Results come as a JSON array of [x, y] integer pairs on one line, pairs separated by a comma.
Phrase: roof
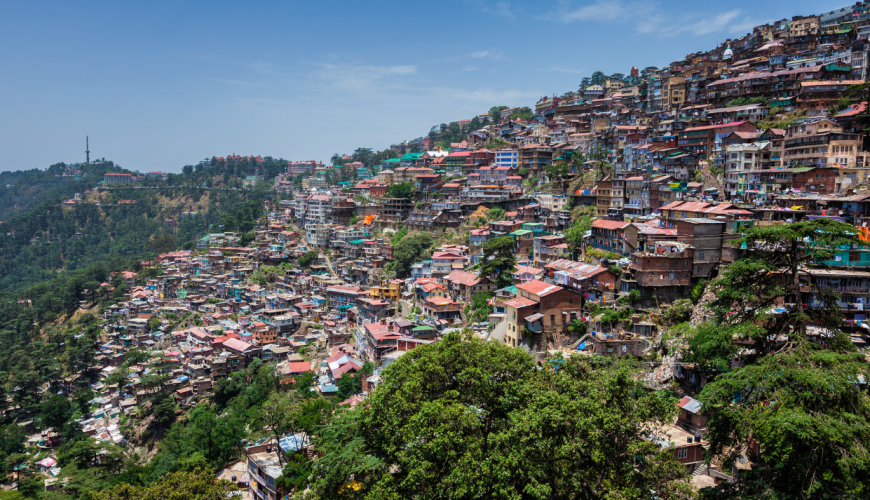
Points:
[[237, 345], [723, 125], [520, 302], [690, 404], [463, 278], [539, 288], [609, 224], [831, 82], [299, 367]]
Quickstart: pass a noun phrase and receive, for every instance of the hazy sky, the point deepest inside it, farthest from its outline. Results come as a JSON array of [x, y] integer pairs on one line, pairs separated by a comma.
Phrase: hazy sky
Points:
[[157, 85]]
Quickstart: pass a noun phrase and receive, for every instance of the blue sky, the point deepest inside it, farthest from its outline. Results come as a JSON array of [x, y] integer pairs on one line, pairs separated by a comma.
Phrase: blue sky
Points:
[[157, 85]]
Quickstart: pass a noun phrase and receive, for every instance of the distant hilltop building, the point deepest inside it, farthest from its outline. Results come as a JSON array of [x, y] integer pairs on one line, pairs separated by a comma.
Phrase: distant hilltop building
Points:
[[113, 178], [155, 175], [303, 167], [234, 158]]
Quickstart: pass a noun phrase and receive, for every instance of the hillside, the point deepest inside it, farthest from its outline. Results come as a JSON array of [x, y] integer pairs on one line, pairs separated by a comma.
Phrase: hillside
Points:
[[115, 227]]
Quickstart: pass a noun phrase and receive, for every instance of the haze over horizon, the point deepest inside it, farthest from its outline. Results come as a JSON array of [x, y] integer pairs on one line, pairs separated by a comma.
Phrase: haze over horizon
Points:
[[160, 85]]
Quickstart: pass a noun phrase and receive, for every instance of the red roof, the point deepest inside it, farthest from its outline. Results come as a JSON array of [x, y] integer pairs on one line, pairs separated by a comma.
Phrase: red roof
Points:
[[299, 367], [711, 127], [463, 278], [539, 288], [237, 345], [609, 224], [520, 302]]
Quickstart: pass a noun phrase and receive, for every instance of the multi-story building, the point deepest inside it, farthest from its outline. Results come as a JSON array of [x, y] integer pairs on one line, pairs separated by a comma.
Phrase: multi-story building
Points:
[[539, 308], [113, 178], [508, 157], [663, 272], [820, 143]]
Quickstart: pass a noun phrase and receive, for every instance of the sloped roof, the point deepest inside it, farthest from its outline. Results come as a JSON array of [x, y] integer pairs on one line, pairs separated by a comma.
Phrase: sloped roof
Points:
[[539, 288]]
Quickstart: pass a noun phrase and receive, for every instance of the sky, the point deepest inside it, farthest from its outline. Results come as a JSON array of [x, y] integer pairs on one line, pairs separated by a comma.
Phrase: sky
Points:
[[157, 85]]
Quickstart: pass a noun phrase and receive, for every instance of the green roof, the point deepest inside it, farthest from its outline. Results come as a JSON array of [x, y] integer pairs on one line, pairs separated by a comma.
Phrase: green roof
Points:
[[423, 328], [357, 242], [533, 224], [393, 160], [520, 232]]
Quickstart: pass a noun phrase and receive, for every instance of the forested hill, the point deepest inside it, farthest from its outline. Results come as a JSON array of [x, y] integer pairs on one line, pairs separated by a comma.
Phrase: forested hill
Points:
[[25, 189], [127, 225]]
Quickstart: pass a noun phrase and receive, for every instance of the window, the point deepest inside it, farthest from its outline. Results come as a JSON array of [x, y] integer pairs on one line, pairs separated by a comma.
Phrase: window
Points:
[[671, 276], [682, 453], [552, 319]]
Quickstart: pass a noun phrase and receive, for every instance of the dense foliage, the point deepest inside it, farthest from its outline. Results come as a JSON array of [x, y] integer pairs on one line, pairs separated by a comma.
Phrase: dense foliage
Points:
[[466, 419], [783, 397]]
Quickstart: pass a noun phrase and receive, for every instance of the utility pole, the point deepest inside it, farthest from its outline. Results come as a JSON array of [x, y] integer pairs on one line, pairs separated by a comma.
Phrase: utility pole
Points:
[[87, 152]]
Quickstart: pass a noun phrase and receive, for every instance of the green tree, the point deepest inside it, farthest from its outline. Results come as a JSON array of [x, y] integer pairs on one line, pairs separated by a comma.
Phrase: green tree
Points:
[[401, 190], [306, 259], [199, 484], [574, 236], [790, 405], [463, 418], [495, 214], [409, 250], [499, 260], [162, 243]]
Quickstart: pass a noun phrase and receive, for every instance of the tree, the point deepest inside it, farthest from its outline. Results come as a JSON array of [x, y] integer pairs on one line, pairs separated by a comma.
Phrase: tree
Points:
[[246, 239], [409, 250], [495, 214], [598, 78], [279, 413], [153, 324], [574, 236], [199, 484], [499, 260], [162, 243], [791, 405], [306, 259], [774, 267], [401, 190], [495, 114], [56, 410], [585, 82], [617, 76], [558, 171], [455, 419]]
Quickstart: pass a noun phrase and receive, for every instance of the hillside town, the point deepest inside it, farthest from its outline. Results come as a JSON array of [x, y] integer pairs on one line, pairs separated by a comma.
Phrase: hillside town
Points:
[[591, 224]]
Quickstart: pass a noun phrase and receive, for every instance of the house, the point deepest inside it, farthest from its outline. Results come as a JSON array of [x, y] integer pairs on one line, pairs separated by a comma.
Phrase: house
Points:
[[539, 308], [463, 285], [664, 272], [690, 417], [608, 235], [443, 263]]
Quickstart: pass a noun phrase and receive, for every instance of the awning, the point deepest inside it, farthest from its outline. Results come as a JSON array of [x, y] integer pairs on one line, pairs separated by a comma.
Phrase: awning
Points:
[[534, 317]]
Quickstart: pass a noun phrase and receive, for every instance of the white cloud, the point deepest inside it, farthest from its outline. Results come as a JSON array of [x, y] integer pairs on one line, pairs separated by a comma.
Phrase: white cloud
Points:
[[469, 68], [237, 83], [645, 20], [500, 9], [563, 69], [487, 54], [359, 78]]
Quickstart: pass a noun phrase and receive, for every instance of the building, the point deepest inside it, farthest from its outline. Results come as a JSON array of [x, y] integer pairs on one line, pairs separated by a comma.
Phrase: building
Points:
[[539, 308], [507, 158], [663, 272], [820, 143], [113, 178]]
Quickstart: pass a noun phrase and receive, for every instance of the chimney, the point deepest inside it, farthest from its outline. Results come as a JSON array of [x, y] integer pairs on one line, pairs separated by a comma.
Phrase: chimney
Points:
[[383, 321], [391, 327]]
